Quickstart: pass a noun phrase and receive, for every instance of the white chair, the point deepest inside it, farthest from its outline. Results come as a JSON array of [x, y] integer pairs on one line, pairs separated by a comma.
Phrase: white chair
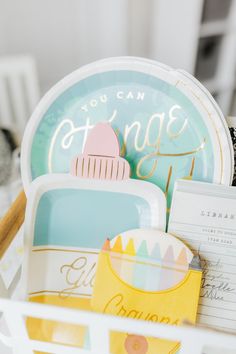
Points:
[[19, 92]]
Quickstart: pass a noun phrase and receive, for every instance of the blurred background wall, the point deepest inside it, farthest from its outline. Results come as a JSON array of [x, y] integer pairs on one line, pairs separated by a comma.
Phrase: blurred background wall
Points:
[[61, 35]]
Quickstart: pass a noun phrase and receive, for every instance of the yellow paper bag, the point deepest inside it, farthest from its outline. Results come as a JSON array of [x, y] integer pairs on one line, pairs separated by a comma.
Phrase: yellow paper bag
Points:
[[112, 295]]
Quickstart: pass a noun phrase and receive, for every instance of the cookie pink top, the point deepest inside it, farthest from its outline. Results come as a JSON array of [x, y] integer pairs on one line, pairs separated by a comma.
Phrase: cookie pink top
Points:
[[101, 157]]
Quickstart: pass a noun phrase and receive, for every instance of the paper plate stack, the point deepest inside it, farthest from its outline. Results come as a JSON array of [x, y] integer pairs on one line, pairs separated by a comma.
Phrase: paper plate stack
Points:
[[168, 124]]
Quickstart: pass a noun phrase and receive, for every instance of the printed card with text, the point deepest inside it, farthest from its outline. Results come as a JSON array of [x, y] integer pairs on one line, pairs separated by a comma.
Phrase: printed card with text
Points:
[[203, 216]]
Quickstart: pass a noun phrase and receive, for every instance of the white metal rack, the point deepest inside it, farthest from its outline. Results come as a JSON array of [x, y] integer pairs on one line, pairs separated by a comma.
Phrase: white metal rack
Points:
[[193, 340]]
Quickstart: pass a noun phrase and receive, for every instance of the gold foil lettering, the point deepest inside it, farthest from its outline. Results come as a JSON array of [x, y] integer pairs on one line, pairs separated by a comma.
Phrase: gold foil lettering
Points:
[[172, 120], [133, 314], [135, 135], [153, 318], [137, 126], [77, 274], [116, 306], [165, 320]]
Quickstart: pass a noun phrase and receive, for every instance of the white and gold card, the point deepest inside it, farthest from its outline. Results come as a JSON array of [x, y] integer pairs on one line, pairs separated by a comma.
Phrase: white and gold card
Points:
[[204, 216]]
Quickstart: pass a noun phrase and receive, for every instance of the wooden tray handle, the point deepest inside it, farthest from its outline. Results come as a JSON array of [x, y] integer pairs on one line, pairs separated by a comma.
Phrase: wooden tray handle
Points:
[[11, 222]]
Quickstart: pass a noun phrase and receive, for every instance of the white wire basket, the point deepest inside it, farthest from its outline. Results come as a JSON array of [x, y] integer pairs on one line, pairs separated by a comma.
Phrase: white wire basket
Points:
[[193, 340]]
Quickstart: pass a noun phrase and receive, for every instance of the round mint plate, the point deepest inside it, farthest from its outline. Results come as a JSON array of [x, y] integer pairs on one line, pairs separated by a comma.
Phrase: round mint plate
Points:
[[167, 127]]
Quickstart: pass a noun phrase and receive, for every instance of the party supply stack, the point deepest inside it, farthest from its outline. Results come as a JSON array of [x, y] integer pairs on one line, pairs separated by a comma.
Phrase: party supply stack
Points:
[[127, 129]]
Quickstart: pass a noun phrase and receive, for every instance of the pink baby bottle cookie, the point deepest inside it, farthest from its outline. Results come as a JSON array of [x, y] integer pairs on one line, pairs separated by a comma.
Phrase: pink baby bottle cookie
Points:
[[101, 156]]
